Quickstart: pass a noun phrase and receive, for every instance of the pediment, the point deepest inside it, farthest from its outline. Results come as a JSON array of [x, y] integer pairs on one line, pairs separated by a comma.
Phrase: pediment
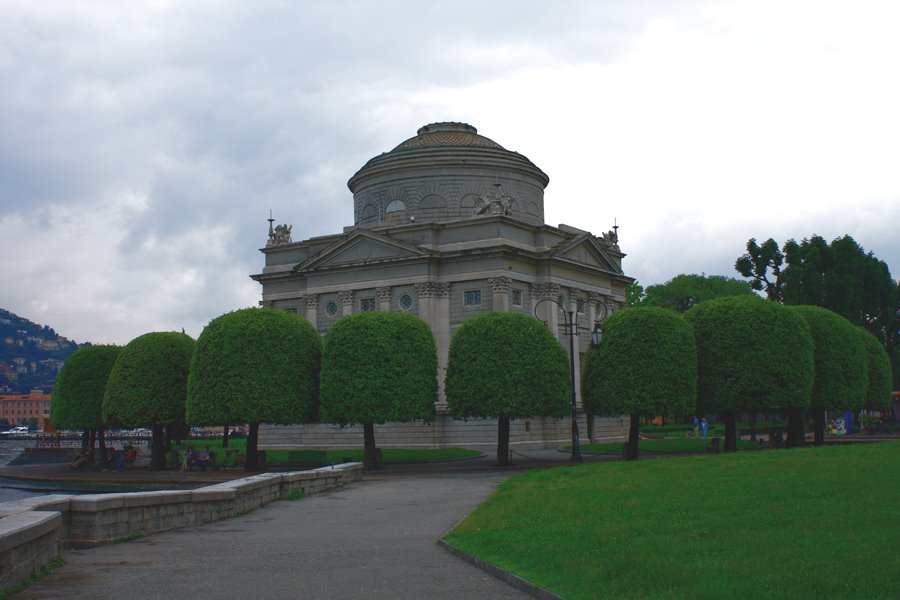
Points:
[[361, 247], [585, 250]]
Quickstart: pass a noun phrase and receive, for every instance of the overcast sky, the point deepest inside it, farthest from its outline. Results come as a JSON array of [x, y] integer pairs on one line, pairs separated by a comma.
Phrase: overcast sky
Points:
[[142, 144]]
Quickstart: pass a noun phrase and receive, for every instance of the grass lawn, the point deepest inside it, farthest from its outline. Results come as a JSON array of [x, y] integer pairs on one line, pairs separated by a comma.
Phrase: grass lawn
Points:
[[807, 523], [664, 446], [276, 457]]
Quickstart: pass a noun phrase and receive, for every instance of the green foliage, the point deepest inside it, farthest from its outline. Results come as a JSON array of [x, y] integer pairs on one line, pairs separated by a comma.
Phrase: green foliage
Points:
[[840, 277], [840, 360], [683, 291], [878, 392], [255, 365], [507, 364], [762, 264], [646, 364], [634, 294], [814, 523], [77, 400], [148, 382], [378, 367], [752, 356]]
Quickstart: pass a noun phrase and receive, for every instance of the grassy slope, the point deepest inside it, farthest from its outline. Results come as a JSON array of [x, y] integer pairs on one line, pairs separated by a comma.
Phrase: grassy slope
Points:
[[816, 522]]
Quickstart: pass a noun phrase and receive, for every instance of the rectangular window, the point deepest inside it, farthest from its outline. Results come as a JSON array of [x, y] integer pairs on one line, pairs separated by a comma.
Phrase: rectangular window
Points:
[[367, 304], [517, 297], [472, 297]]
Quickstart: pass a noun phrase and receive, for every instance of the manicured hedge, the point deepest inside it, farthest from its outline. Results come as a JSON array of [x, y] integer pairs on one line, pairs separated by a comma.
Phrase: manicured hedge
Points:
[[378, 367], [646, 364], [878, 392], [77, 400], [255, 365], [148, 383], [507, 364]]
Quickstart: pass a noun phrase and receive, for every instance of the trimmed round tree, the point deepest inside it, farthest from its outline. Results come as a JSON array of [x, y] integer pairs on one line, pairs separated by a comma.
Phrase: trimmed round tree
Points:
[[752, 356], [878, 392], [841, 365], [147, 386], [77, 400], [646, 365], [378, 367], [507, 365], [255, 365]]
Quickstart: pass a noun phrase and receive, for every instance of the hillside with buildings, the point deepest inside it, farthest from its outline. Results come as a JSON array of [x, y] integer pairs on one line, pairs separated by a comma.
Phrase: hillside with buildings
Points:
[[30, 354]]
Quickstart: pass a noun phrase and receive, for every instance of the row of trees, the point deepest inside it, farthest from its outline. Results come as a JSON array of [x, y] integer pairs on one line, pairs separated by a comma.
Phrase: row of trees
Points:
[[735, 355], [840, 276], [265, 366]]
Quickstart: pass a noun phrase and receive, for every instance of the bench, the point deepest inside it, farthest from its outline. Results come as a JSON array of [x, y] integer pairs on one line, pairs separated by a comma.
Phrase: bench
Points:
[[308, 458]]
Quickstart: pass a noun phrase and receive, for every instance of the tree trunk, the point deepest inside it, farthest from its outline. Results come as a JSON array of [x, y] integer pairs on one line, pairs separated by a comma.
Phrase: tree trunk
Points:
[[730, 431], [819, 426], [589, 417], [85, 440], [251, 463], [503, 440], [158, 449], [370, 452], [634, 434], [104, 460], [753, 427], [225, 437], [795, 432]]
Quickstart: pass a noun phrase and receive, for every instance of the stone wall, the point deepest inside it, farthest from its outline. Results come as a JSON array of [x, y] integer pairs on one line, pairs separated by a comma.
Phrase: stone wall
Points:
[[443, 432], [34, 531]]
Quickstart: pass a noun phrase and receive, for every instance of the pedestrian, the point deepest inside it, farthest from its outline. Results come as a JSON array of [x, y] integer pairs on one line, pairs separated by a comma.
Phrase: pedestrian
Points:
[[704, 425], [696, 423]]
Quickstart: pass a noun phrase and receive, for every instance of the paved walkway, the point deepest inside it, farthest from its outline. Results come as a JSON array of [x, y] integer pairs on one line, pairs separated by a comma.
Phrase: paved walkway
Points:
[[373, 539]]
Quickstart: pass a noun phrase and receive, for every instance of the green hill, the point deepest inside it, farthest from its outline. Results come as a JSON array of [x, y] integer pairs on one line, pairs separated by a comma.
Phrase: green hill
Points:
[[30, 354]]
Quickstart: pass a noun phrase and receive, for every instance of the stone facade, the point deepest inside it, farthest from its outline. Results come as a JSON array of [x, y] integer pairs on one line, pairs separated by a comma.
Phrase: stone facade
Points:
[[448, 225]]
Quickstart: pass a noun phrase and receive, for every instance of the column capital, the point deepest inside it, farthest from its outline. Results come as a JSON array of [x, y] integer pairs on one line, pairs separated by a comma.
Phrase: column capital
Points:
[[347, 298], [311, 300], [500, 284], [432, 289], [383, 294]]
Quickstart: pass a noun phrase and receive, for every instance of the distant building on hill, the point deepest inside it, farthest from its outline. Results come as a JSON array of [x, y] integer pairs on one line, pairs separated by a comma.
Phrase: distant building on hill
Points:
[[447, 225]]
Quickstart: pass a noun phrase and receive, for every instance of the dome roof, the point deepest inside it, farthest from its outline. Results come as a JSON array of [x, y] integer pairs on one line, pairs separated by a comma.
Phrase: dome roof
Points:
[[448, 144], [447, 134]]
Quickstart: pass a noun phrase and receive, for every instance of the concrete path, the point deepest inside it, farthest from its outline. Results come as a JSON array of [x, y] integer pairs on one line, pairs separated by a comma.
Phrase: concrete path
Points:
[[374, 539]]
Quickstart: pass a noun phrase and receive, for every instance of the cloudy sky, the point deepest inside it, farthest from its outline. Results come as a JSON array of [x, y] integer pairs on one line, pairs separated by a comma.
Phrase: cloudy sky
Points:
[[142, 144]]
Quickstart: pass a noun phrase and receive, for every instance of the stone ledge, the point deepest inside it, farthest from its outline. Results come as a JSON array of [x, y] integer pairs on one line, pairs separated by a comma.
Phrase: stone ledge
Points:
[[20, 528]]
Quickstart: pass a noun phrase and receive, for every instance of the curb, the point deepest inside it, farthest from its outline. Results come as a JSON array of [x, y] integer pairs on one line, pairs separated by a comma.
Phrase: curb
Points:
[[502, 574]]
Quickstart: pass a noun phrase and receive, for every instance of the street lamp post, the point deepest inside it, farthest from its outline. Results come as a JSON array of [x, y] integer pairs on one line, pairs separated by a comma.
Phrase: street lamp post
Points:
[[571, 329]]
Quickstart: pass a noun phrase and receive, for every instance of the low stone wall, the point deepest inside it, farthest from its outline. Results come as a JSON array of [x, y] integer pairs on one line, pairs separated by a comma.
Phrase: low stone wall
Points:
[[33, 532]]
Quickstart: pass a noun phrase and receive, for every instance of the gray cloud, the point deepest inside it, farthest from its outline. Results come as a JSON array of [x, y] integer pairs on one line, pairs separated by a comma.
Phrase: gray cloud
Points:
[[143, 144]]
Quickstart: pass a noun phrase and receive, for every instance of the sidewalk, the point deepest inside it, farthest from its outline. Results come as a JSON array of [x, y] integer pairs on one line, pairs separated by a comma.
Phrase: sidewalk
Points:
[[375, 539]]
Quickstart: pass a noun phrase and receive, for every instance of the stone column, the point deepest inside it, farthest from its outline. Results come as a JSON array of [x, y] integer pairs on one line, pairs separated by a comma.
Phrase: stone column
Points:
[[434, 309], [548, 312], [384, 298], [347, 300], [500, 287], [312, 309]]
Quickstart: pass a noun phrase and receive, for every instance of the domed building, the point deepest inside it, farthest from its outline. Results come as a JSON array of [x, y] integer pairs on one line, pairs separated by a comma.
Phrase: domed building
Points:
[[447, 225]]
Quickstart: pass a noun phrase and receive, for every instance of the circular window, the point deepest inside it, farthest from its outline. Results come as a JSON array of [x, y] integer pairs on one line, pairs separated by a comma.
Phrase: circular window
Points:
[[405, 302], [331, 309]]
